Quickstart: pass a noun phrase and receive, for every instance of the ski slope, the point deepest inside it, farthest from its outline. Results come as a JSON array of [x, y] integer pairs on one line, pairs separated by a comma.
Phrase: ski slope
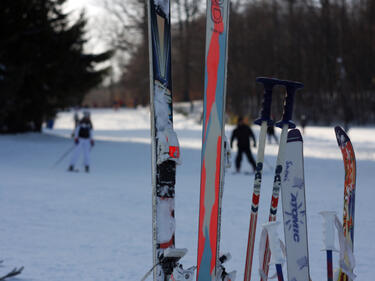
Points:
[[97, 227]]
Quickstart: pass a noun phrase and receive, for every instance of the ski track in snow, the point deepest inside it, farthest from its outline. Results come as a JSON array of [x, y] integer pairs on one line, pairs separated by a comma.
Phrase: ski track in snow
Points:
[[77, 226]]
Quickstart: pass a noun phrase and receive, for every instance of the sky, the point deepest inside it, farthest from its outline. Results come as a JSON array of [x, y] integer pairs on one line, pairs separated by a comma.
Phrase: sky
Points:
[[95, 14], [98, 22]]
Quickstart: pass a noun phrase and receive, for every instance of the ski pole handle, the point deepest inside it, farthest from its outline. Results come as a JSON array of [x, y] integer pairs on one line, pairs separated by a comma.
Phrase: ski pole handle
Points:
[[265, 113], [291, 88], [328, 230], [273, 238]]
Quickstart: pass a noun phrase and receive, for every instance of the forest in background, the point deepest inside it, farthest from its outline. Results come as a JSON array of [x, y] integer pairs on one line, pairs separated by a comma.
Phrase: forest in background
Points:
[[328, 45]]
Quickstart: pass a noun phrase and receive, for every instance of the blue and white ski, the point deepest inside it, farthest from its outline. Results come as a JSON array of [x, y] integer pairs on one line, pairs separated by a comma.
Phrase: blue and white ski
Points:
[[294, 209]]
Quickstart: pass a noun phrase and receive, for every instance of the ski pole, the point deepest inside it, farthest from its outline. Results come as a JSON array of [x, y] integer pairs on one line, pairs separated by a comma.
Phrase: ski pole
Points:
[[263, 121], [276, 254], [329, 239], [62, 157], [285, 123]]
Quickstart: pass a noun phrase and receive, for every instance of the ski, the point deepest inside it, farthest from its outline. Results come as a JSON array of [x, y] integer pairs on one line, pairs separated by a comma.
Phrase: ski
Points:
[[14, 272], [348, 155], [170, 257], [285, 123], [294, 209], [212, 159], [263, 121], [165, 148]]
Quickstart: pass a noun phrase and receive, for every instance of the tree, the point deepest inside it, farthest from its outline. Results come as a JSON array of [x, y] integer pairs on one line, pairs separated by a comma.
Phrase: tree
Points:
[[43, 66]]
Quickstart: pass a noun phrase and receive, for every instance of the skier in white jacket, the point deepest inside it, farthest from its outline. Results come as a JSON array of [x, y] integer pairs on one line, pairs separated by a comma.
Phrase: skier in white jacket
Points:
[[83, 139]]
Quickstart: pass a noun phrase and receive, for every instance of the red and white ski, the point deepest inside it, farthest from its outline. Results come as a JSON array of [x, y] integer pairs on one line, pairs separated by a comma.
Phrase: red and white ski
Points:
[[212, 158], [348, 155]]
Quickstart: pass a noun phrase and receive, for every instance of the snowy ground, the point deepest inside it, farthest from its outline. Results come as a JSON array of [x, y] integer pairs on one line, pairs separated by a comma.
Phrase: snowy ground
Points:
[[87, 227]]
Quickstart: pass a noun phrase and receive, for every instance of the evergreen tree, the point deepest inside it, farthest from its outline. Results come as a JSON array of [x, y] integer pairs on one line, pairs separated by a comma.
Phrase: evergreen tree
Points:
[[43, 66]]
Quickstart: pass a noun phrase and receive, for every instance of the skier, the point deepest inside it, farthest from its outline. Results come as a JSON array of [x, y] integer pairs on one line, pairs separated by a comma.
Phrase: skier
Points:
[[243, 133], [303, 122], [75, 120], [84, 141], [271, 133]]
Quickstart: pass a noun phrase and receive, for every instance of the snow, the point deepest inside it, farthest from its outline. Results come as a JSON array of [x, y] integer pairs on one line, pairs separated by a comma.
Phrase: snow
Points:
[[97, 226], [162, 111]]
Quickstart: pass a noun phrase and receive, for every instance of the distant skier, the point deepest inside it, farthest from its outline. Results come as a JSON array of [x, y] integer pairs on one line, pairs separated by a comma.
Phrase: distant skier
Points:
[[75, 120], [271, 134], [83, 139], [303, 122], [243, 133]]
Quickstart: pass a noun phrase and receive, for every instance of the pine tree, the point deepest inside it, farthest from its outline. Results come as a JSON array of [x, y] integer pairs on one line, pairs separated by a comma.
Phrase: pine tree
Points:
[[43, 66]]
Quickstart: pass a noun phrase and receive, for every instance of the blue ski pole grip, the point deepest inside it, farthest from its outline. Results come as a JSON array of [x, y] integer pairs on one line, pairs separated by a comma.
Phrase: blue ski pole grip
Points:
[[291, 88], [265, 112]]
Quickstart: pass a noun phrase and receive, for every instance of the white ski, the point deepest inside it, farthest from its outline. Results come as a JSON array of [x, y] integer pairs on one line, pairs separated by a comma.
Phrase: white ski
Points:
[[294, 209]]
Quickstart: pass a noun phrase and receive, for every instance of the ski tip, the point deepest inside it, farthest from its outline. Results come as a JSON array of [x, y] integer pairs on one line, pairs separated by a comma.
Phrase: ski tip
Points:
[[341, 136], [294, 135]]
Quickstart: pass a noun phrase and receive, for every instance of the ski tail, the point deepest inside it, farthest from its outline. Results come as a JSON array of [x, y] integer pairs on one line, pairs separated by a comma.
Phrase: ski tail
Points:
[[212, 168], [294, 209], [348, 155], [165, 150]]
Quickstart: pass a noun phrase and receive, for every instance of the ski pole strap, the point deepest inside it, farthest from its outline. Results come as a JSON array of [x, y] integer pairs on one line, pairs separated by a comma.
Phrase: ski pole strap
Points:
[[265, 112], [328, 230], [273, 238], [347, 260], [291, 88]]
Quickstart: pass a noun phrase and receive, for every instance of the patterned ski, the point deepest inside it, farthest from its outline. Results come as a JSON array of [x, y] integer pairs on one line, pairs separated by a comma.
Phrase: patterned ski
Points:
[[349, 189], [212, 160], [294, 209], [165, 148]]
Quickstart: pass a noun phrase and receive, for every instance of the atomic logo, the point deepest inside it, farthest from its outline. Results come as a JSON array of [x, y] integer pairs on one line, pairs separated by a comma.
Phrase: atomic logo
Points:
[[294, 222]]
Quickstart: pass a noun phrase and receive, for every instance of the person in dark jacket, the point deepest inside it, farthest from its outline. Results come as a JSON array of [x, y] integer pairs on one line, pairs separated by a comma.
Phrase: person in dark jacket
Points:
[[243, 134], [83, 138], [271, 134], [303, 122]]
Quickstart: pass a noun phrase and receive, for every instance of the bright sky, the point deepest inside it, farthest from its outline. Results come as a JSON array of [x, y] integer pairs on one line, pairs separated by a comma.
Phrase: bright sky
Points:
[[97, 20], [92, 6], [95, 14]]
